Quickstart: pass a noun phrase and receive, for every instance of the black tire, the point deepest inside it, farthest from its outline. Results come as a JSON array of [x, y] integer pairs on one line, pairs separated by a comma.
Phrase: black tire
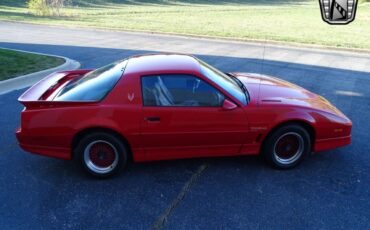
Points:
[[287, 146], [102, 154]]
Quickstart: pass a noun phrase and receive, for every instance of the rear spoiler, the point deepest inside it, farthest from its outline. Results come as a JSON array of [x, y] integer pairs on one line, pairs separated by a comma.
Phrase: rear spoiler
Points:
[[37, 94]]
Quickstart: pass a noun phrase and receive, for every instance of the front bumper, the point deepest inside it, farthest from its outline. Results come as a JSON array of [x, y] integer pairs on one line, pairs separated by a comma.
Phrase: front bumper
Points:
[[331, 143]]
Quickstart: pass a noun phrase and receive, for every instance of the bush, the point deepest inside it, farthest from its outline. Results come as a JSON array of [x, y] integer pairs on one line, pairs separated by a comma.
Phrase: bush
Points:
[[38, 7], [46, 7]]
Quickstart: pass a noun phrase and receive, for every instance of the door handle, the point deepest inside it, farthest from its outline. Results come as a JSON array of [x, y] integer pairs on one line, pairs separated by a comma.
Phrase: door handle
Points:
[[152, 119]]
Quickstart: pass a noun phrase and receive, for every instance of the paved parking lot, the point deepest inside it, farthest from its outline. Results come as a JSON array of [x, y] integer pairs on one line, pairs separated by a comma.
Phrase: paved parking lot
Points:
[[329, 190]]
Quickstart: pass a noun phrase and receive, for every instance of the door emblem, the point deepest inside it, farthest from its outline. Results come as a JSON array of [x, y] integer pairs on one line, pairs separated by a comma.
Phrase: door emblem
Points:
[[131, 96], [338, 11]]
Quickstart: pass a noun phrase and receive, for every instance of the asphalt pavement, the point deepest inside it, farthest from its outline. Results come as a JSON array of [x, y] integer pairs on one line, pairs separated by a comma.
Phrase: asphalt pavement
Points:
[[328, 190]]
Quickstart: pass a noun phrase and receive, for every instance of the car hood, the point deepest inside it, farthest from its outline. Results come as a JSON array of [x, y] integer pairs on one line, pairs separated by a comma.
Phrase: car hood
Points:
[[269, 90]]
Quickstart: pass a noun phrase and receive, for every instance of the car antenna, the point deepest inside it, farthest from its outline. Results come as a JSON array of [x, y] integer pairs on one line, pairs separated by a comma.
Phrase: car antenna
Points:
[[263, 55], [262, 64]]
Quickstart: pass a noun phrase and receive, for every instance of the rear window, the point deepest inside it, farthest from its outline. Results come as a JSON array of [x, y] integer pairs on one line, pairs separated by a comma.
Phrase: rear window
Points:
[[93, 86]]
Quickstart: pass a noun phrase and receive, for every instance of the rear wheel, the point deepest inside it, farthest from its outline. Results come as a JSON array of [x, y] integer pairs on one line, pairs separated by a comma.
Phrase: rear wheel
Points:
[[287, 146], [102, 154]]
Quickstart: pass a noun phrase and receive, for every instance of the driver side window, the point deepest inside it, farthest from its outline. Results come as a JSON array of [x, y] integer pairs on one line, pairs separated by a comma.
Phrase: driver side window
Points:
[[179, 90]]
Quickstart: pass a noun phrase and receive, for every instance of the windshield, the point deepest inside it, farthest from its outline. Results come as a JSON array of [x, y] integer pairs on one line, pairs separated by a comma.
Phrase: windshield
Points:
[[94, 85], [224, 81]]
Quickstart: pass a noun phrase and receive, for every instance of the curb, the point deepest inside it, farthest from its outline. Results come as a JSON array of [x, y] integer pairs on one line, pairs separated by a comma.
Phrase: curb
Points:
[[255, 41], [251, 41], [27, 80]]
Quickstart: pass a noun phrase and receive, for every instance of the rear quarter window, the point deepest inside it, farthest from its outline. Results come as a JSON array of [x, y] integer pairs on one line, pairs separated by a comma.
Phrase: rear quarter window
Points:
[[93, 86]]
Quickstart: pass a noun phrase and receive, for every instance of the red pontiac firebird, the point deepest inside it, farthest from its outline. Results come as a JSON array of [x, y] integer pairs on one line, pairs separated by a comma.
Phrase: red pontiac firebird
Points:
[[170, 106]]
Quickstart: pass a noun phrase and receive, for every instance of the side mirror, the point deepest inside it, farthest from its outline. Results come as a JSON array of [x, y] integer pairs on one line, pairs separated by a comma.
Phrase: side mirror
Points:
[[228, 105]]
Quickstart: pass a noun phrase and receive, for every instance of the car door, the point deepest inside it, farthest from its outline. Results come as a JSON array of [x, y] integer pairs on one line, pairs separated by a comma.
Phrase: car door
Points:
[[182, 116]]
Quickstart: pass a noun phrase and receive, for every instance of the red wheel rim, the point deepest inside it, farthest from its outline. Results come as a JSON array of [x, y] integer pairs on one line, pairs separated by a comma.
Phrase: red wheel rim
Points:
[[102, 154], [287, 146]]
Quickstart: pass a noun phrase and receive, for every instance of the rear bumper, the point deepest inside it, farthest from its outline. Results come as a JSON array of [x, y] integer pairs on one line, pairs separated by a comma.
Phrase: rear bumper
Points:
[[331, 143], [25, 142]]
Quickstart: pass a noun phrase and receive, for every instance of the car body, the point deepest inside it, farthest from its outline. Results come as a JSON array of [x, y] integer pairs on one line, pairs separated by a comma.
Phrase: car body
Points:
[[170, 106]]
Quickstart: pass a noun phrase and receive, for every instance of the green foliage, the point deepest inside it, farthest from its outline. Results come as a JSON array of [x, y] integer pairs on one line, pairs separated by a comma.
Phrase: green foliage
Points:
[[46, 7], [14, 63], [39, 7]]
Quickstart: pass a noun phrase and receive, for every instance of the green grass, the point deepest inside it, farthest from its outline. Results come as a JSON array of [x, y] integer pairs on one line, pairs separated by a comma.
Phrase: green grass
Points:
[[277, 20], [14, 63]]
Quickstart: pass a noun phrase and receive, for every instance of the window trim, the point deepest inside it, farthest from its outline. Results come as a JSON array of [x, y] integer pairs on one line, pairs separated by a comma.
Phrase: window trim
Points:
[[182, 106]]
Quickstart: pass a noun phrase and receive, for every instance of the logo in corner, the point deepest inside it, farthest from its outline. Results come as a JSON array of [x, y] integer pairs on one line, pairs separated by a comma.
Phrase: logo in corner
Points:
[[338, 12]]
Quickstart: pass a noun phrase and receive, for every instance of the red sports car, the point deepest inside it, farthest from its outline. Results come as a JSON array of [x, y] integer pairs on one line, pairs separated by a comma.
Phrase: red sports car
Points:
[[170, 106]]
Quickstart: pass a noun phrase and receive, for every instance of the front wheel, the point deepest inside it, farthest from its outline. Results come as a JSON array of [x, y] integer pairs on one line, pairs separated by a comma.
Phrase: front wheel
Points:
[[287, 146], [102, 154]]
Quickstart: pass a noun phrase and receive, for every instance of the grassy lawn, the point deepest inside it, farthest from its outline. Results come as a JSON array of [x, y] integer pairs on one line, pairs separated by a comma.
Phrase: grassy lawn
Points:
[[13, 63], [279, 20]]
